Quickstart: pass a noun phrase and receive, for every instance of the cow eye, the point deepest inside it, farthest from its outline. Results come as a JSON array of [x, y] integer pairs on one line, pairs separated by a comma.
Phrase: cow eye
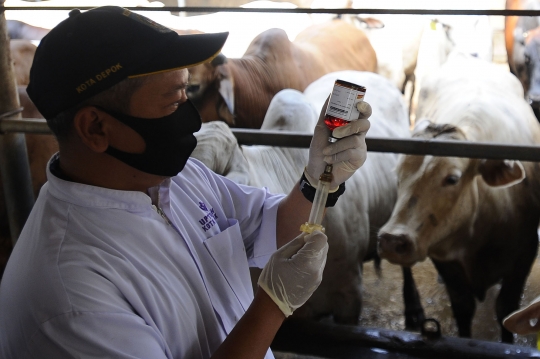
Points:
[[451, 180]]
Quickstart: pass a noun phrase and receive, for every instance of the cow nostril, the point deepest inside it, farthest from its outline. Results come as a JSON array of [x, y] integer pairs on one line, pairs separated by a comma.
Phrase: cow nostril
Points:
[[400, 244]]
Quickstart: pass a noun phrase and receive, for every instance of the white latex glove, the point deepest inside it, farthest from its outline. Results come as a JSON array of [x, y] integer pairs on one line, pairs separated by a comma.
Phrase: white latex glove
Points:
[[294, 271], [347, 155]]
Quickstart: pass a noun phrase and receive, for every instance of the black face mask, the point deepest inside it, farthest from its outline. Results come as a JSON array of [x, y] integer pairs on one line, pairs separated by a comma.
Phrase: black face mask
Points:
[[169, 140]]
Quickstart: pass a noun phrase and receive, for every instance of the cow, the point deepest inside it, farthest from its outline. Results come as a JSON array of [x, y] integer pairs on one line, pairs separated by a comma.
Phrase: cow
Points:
[[475, 219], [352, 224], [408, 47], [22, 54], [238, 91], [18, 30], [522, 38]]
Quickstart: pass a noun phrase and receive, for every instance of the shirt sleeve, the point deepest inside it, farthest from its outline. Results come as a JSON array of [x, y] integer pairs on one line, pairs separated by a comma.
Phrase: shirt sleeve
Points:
[[254, 208], [97, 335]]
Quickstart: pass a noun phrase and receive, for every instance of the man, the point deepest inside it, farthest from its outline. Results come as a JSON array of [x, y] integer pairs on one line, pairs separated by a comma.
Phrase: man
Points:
[[132, 249]]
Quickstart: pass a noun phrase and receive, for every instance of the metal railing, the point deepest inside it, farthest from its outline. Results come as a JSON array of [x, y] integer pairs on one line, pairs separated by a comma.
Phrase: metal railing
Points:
[[303, 140], [13, 157], [337, 11]]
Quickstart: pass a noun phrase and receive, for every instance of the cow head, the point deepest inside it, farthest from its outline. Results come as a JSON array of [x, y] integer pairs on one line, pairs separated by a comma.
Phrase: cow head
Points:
[[202, 76], [211, 88], [438, 199]]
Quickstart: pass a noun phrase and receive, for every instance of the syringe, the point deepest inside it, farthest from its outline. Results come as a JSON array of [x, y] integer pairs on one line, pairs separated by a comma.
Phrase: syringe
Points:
[[319, 202], [342, 108]]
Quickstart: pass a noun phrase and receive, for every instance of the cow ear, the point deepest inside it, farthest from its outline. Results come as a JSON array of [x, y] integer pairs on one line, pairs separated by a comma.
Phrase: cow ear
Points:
[[526, 320], [220, 59], [501, 173], [226, 90]]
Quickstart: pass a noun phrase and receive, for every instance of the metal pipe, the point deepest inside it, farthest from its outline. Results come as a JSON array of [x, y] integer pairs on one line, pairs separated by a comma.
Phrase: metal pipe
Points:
[[347, 342], [246, 136], [14, 166], [29, 125], [298, 10], [398, 145]]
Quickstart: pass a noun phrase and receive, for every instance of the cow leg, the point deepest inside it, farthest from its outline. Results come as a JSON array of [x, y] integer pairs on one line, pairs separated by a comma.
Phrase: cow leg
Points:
[[347, 303], [461, 296], [414, 313], [512, 286], [349, 313], [411, 98]]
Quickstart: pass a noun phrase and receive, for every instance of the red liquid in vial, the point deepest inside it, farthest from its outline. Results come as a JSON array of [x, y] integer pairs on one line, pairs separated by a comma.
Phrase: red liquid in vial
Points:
[[334, 122]]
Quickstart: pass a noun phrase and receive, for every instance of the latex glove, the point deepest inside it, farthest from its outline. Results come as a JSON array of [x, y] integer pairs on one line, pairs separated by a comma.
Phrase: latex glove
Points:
[[294, 271], [347, 155]]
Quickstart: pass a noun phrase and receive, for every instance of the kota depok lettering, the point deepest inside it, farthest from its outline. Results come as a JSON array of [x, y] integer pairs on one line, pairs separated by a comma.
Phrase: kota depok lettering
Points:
[[209, 220], [98, 77]]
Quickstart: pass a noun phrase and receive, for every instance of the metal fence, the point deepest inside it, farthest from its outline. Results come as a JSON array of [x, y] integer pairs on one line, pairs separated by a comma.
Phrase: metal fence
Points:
[[15, 172], [13, 157], [337, 11]]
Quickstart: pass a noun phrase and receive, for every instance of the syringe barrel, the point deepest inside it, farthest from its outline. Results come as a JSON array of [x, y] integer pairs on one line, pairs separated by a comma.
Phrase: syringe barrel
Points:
[[319, 203]]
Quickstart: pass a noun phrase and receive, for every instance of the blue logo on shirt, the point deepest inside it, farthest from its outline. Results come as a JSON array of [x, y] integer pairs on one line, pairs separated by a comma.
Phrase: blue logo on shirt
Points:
[[209, 220], [203, 206]]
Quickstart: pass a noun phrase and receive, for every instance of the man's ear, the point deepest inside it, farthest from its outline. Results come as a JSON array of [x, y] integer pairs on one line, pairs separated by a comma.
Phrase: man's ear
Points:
[[88, 124]]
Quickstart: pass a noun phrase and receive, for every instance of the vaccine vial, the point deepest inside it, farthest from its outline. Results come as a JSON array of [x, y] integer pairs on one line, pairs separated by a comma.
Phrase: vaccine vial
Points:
[[342, 105]]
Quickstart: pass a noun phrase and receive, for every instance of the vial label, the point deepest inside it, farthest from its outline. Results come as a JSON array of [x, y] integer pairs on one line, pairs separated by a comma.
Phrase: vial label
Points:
[[342, 104]]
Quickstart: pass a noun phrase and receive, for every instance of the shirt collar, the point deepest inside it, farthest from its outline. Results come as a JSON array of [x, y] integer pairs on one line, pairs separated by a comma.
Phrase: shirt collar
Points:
[[100, 197]]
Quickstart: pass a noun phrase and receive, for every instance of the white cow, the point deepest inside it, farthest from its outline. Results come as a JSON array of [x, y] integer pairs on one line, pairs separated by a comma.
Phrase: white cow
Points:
[[410, 47], [475, 219], [277, 168], [352, 224]]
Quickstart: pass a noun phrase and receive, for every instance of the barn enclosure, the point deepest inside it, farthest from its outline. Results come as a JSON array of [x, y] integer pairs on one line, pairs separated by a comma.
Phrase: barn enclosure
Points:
[[383, 306]]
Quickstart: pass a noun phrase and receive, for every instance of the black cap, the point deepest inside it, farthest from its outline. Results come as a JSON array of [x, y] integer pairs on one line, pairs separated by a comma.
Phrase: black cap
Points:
[[92, 51]]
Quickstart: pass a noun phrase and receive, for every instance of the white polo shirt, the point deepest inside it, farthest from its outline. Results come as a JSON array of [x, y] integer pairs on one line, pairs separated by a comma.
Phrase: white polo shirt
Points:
[[101, 273]]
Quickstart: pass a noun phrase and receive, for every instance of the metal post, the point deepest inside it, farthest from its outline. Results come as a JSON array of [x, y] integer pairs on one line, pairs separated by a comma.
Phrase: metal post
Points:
[[14, 166]]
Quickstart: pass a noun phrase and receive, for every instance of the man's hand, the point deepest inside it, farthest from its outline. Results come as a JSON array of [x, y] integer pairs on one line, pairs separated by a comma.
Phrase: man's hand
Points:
[[347, 154], [294, 271]]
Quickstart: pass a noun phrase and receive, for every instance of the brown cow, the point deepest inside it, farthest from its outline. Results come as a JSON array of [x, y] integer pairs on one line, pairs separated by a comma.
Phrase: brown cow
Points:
[[21, 30], [22, 55], [475, 219], [239, 91]]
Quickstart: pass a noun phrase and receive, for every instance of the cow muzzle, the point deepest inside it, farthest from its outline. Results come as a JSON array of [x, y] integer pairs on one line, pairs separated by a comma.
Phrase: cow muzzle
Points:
[[397, 248]]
